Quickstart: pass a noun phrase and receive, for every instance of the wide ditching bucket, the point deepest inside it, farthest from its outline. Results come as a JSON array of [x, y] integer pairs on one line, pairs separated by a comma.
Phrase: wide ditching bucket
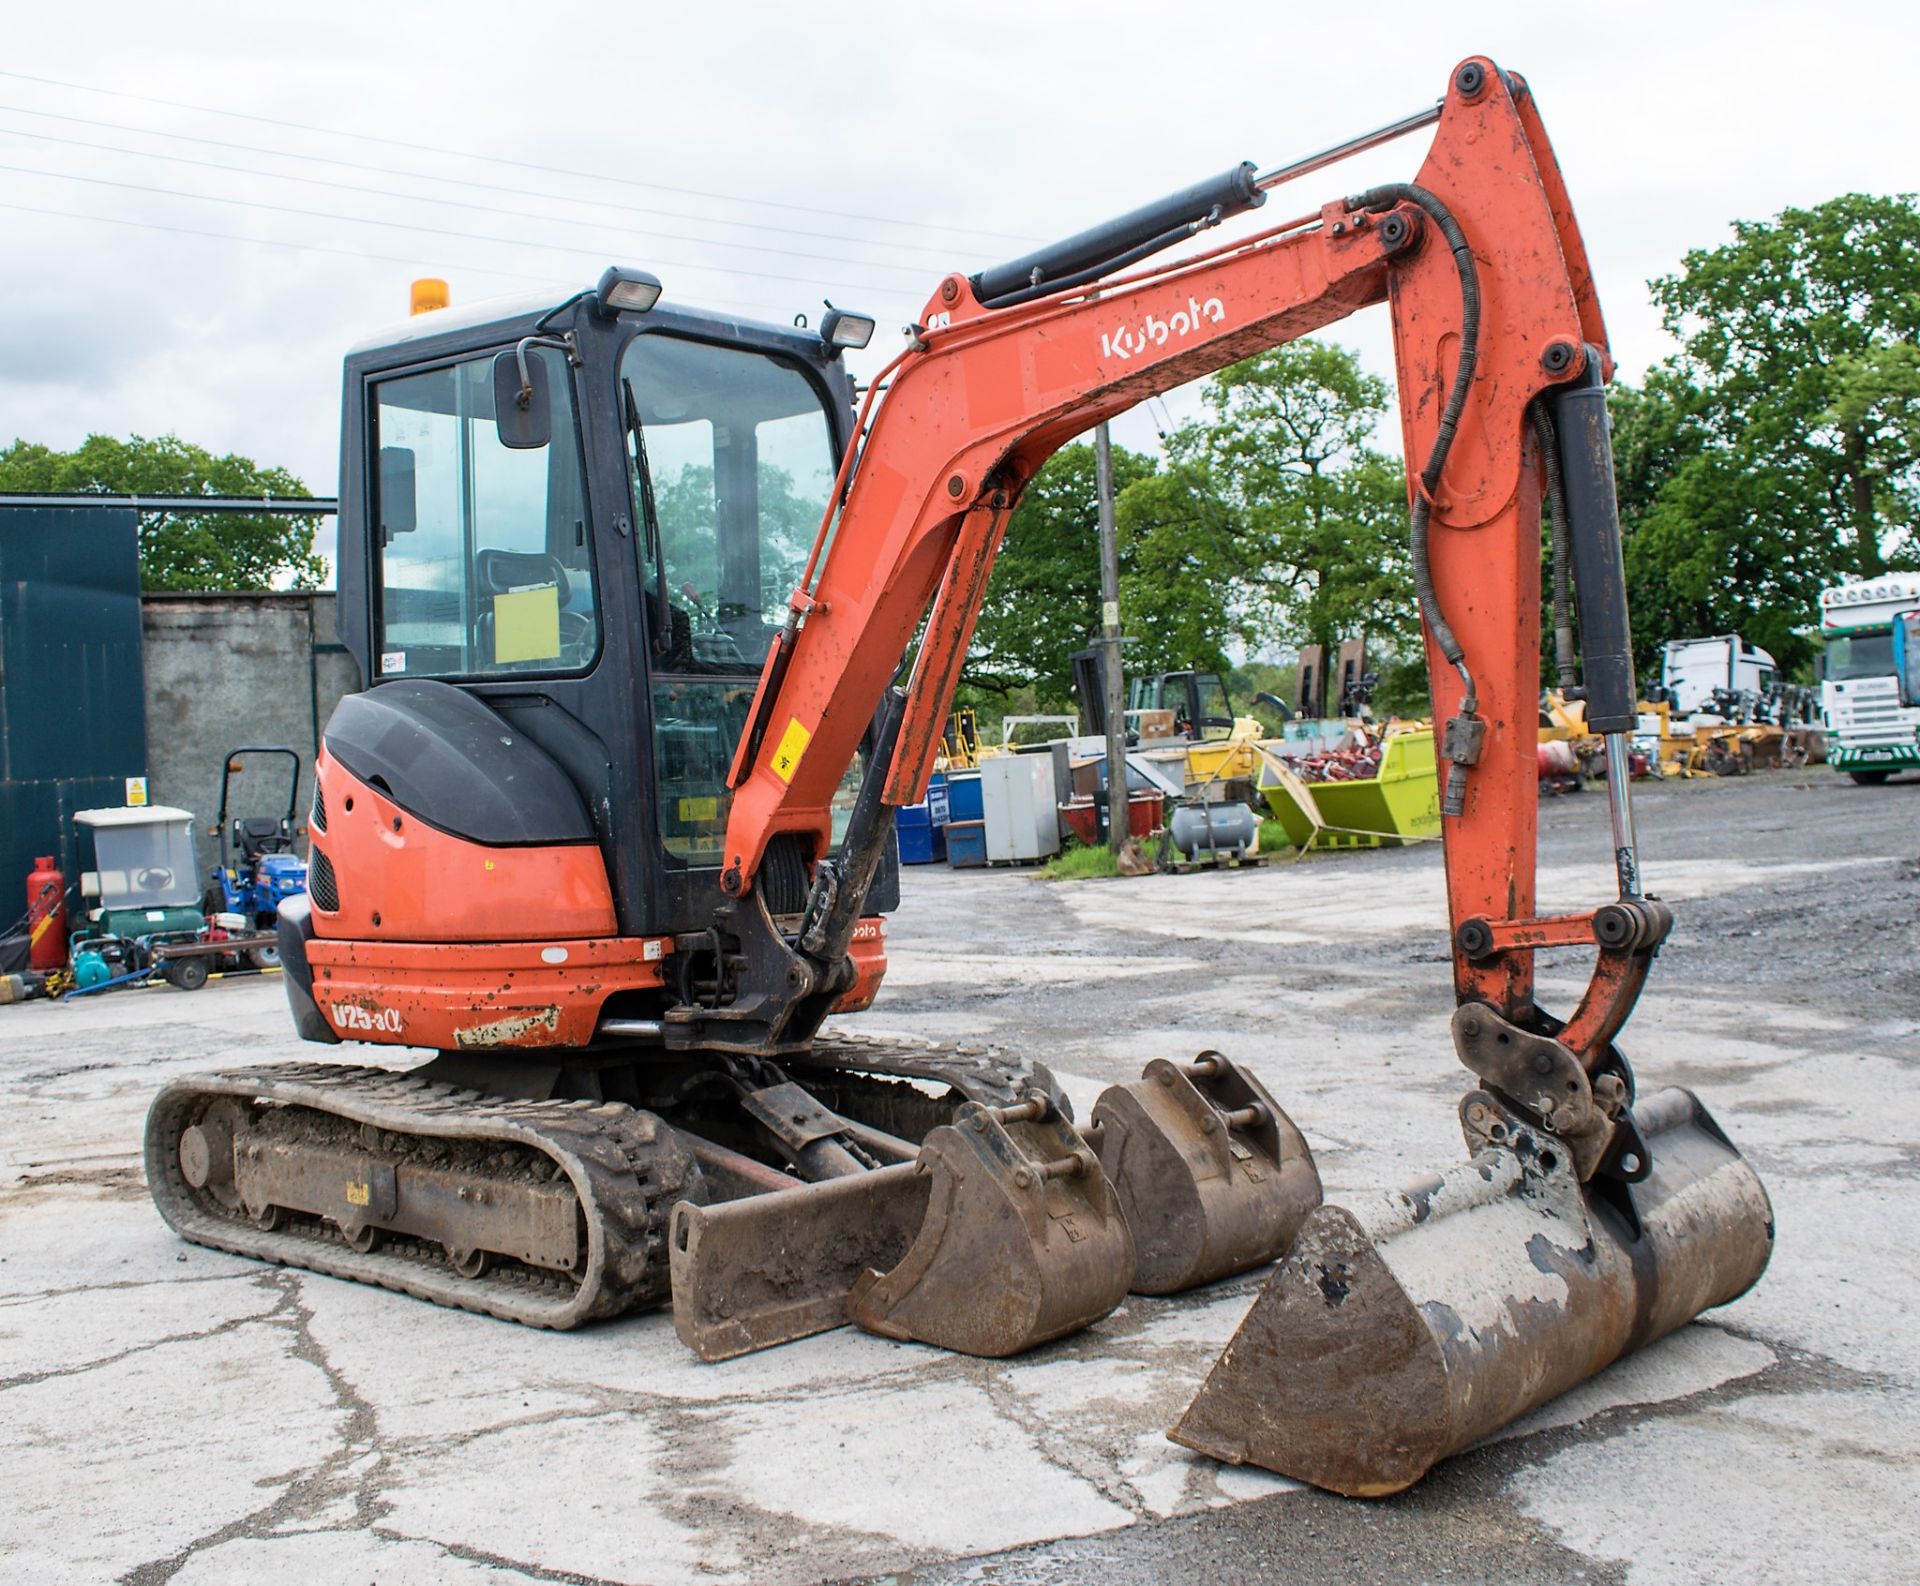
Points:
[[1402, 1329]]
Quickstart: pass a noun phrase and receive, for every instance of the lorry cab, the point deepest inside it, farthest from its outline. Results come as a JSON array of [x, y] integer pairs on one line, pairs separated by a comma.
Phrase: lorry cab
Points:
[[1869, 701], [1694, 671]]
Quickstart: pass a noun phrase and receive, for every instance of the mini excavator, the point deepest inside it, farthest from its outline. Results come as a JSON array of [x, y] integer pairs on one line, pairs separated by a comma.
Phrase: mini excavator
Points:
[[661, 617]]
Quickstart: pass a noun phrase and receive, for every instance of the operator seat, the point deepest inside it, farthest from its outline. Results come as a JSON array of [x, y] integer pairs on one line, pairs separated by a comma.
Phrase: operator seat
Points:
[[498, 572]]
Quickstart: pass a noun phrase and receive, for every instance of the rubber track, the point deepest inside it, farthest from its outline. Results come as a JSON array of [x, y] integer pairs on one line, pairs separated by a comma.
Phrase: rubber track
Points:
[[625, 1165]]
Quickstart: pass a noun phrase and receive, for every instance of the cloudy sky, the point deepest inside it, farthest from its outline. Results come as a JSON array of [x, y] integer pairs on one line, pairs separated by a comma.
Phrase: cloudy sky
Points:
[[204, 205]]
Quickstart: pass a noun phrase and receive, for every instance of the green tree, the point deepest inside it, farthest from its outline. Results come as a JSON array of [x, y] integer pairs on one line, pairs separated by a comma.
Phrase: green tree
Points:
[[184, 550], [1182, 594], [1779, 449], [1313, 518], [1043, 601]]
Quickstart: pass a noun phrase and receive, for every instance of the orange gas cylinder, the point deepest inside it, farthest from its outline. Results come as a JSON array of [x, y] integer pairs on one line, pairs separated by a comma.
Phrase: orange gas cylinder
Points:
[[47, 914]]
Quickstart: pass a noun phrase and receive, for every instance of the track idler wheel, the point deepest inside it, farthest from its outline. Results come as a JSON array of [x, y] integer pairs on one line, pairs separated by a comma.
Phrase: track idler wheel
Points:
[[1213, 1177], [1023, 1240], [1402, 1329]]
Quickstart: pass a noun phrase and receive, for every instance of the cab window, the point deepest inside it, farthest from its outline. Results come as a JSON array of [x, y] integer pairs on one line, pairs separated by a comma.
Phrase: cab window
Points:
[[732, 463], [485, 566]]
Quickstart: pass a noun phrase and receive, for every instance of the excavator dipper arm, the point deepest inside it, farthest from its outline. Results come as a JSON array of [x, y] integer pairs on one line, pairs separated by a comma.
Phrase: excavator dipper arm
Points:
[[1487, 281]]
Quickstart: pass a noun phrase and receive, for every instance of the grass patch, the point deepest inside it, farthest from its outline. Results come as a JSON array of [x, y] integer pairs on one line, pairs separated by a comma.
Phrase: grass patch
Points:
[[1273, 838], [1079, 863]]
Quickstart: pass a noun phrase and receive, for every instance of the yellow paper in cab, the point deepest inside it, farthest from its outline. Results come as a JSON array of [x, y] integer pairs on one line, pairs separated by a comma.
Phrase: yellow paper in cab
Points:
[[526, 624]]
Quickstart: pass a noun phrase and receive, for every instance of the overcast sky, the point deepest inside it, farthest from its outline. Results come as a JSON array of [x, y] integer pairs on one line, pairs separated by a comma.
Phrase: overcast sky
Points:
[[762, 155]]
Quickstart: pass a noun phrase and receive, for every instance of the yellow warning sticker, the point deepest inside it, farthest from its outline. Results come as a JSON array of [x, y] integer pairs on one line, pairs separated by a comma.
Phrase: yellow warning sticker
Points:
[[700, 809], [793, 744]]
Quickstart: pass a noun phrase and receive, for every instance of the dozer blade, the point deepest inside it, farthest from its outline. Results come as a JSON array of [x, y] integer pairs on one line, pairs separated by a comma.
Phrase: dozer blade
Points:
[[1023, 1240], [1213, 1177], [1404, 1329], [766, 1269]]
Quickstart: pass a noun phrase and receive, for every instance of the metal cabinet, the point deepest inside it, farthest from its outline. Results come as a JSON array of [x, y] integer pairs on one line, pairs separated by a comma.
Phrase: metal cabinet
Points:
[[1020, 807]]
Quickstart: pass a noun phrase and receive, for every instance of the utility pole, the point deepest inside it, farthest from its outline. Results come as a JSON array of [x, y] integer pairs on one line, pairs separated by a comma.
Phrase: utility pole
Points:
[[1118, 809]]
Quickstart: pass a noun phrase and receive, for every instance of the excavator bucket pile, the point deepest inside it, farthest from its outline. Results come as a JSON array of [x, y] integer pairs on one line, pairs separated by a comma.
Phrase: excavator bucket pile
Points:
[[1212, 1175], [1401, 1330], [1012, 1227]]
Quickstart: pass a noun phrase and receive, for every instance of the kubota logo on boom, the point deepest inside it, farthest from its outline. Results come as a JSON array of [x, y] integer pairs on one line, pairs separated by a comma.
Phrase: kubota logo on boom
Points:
[[1153, 331]]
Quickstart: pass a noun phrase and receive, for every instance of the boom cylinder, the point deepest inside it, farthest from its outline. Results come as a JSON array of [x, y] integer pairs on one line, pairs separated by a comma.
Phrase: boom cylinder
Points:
[[1121, 240]]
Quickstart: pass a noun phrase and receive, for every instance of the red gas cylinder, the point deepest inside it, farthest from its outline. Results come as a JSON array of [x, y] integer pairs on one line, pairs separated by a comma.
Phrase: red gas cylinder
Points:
[[47, 914]]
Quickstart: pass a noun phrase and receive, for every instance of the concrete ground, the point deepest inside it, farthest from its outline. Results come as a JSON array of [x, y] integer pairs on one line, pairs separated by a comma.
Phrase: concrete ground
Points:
[[171, 1414]]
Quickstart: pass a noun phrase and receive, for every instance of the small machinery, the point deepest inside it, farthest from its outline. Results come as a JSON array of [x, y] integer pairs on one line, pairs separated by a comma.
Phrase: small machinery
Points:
[[258, 868]]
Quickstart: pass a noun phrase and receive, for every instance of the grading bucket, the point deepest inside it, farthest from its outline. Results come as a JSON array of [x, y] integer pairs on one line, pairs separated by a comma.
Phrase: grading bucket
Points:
[[1407, 1327]]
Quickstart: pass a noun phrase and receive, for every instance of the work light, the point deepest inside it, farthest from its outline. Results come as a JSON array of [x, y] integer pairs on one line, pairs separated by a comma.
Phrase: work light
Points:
[[622, 288], [841, 330]]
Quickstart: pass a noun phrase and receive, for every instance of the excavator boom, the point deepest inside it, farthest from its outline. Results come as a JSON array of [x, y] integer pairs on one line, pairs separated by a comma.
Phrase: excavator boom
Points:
[[1491, 295]]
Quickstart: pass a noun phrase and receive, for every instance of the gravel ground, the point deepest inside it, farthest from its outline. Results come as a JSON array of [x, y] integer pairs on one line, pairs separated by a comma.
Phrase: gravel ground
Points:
[[172, 1414]]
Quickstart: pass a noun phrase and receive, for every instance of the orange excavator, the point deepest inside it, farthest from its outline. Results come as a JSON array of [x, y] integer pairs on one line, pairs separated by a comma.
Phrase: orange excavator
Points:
[[661, 619]]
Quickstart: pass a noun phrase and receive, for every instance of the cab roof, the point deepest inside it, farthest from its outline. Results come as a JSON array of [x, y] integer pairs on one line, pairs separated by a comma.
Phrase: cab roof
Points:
[[518, 314]]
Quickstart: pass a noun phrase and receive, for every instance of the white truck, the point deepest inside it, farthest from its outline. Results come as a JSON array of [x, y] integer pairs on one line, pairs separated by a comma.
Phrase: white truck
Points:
[[1870, 709], [1691, 670]]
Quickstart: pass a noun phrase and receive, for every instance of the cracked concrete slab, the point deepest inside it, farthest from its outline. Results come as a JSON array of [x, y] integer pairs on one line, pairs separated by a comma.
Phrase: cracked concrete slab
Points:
[[172, 1414]]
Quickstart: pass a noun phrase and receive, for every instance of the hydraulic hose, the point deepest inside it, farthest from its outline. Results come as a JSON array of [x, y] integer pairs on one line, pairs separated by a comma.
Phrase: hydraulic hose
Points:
[[1464, 731], [1564, 653]]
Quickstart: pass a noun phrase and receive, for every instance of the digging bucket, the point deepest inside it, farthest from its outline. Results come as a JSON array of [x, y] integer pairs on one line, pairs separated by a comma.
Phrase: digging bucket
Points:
[[1406, 1327], [1023, 1240], [1213, 1177]]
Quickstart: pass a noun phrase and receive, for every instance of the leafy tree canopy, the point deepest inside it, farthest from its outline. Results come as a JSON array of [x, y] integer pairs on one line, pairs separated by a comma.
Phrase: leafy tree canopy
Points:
[[184, 550], [1779, 449], [1043, 601], [1317, 516], [1273, 523]]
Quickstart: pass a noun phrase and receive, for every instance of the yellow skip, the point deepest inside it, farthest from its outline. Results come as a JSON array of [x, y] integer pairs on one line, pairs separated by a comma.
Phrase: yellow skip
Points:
[[793, 744]]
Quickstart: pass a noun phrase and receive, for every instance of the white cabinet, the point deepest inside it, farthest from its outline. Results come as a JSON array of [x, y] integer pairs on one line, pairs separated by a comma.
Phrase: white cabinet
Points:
[[1020, 807]]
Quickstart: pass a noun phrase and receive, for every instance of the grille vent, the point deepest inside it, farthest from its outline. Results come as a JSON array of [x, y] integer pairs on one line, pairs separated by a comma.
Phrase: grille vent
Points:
[[320, 883], [318, 820]]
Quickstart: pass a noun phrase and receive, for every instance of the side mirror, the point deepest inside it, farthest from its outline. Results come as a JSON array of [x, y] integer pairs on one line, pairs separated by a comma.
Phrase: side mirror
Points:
[[398, 511], [1906, 655], [522, 403]]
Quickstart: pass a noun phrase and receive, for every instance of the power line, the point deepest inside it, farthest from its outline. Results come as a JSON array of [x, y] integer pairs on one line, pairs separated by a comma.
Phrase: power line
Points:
[[271, 242], [944, 252], [429, 231], [497, 159], [750, 307], [455, 203]]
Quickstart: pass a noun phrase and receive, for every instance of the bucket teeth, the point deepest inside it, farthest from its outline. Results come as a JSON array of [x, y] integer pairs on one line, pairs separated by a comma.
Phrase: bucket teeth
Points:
[[1212, 1176], [1407, 1327], [1023, 1240]]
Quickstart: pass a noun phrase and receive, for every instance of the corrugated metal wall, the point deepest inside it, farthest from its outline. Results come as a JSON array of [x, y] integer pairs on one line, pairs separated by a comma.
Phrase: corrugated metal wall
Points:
[[73, 720]]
